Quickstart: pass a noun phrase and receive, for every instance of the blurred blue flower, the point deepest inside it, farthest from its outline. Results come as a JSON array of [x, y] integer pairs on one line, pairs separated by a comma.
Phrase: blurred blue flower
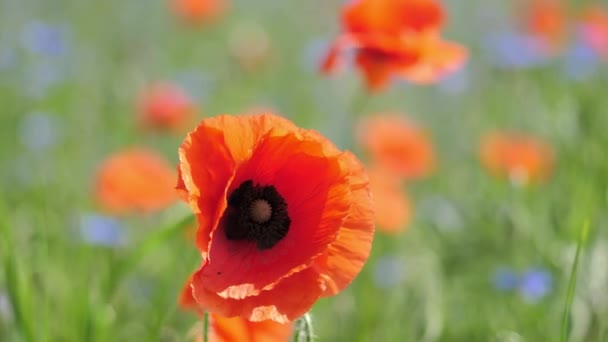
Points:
[[534, 284], [389, 271], [44, 39], [38, 131], [99, 230], [580, 61], [505, 279], [514, 50]]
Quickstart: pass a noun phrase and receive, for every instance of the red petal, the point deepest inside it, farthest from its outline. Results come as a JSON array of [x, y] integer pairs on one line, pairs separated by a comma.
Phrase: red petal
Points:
[[317, 204]]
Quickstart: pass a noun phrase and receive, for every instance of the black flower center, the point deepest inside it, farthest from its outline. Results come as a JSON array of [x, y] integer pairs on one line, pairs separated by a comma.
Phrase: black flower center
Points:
[[256, 213]]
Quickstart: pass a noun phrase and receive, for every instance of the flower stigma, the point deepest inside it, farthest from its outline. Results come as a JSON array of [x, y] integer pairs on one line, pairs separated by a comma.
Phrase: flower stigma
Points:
[[256, 213]]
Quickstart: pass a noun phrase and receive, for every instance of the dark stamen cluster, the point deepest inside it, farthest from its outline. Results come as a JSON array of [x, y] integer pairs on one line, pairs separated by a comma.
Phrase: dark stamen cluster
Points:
[[256, 213]]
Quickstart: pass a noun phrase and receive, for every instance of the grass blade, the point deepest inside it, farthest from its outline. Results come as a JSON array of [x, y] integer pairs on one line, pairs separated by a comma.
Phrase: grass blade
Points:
[[572, 282]]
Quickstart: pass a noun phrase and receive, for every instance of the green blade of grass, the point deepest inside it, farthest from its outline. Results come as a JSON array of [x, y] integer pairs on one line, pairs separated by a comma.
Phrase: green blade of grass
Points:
[[572, 282], [16, 287]]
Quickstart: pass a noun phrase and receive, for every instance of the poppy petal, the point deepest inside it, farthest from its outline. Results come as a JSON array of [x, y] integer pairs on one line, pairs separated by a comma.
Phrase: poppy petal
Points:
[[262, 159], [231, 138], [397, 145], [391, 204], [243, 132], [135, 179], [437, 60], [290, 299], [237, 329], [195, 157], [346, 256], [321, 200]]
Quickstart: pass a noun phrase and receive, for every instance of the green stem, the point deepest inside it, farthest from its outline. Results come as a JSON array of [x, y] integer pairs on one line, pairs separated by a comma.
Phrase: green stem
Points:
[[304, 328], [17, 289], [572, 282], [206, 327]]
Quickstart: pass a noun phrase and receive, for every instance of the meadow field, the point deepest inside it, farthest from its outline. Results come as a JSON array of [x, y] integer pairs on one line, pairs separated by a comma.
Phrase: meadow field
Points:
[[503, 156]]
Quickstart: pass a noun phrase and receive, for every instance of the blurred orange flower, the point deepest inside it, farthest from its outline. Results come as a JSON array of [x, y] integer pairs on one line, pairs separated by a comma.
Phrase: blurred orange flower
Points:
[[397, 145], [285, 218], [165, 107], [395, 37], [521, 158], [547, 21], [135, 180], [199, 11], [391, 204], [594, 24], [237, 329]]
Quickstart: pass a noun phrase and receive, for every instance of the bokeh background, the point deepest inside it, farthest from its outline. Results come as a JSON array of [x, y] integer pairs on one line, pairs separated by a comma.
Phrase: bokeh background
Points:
[[482, 258]]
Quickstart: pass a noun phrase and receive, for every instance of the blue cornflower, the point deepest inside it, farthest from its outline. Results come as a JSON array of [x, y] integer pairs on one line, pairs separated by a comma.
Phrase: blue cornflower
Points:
[[99, 230], [580, 61], [44, 39], [514, 50], [535, 284]]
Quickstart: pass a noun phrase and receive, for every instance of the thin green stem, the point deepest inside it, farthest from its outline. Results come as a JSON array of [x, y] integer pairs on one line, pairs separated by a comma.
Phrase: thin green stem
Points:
[[16, 287], [572, 282], [206, 327], [304, 329]]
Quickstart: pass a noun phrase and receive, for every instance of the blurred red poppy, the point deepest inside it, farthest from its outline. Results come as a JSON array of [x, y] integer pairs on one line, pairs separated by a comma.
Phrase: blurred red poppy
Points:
[[135, 180], [391, 204], [397, 145], [395, 37], [594, 25], [547, 21], [521, 158], [237, 329], [165, 107], [199, 11], [285, 218]]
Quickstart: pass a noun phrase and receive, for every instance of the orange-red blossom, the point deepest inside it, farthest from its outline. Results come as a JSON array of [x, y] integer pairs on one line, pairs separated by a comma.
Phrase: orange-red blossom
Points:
[[395, 38], [284, 217]]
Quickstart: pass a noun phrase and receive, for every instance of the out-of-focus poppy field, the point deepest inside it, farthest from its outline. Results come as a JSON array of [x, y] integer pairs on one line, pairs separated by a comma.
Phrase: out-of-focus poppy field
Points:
[[174, 170]]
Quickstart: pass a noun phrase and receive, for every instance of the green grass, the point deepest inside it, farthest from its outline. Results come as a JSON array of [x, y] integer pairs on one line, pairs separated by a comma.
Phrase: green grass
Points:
[[466, 223]]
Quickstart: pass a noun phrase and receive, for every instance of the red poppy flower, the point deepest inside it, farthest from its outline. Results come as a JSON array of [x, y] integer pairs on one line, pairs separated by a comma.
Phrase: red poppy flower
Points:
[[397, 145], [165, 107], [547, 21], [594, 24], [521, 158], [135, 180], [284, 217], [237, 329], [395, 37], [392, 206], [199, 11]]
